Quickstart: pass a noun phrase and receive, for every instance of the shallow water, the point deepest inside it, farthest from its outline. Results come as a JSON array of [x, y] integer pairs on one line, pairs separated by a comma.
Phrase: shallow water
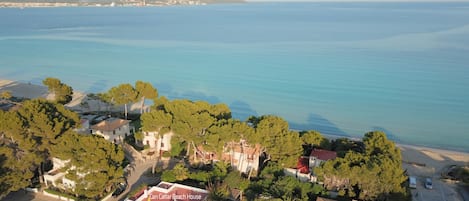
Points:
[[340, 68]]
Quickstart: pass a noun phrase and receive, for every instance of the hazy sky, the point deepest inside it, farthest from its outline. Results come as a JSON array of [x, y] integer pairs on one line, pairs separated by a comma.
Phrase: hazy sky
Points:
[[357, 1]]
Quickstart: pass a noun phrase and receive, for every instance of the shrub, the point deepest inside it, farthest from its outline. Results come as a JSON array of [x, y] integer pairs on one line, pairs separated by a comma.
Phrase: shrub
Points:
[[168, 176], [138, 191], [166, 154]]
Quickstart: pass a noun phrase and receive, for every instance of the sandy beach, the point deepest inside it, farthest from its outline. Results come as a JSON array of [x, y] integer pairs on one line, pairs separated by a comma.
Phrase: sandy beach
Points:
[[24, 90], [424, 162]]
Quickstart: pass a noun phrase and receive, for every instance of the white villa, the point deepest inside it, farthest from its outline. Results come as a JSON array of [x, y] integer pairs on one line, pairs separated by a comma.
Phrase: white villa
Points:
[[56, 176], [319, 156], [112, 129], [158, 142]]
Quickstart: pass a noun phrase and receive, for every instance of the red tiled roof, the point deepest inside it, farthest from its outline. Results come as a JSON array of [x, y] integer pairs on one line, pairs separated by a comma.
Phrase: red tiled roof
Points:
[[324, 155], [303, 165]]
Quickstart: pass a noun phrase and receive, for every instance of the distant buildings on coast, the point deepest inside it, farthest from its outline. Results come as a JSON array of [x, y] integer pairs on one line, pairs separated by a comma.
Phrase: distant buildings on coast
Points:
[[122, 3]]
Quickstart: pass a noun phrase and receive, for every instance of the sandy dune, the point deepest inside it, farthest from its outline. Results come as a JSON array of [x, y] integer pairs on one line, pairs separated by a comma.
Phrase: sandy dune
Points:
[[24, 90]]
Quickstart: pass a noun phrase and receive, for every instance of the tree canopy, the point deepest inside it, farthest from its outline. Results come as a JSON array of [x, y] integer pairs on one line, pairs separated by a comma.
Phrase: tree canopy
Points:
[[99, 160], [62, 92], [194, 123], [6, 95], [39, 130], [122, 94], [369, 175], [27, 136], [273, 183], [145, 90], [281, 144]]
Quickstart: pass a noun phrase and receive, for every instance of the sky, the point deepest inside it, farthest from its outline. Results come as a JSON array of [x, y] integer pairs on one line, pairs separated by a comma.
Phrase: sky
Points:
[[357, 1]]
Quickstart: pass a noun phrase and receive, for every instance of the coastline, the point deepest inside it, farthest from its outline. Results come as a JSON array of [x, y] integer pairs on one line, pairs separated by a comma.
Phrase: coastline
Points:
[[28, 90], [24, 90], [433, 156], [420, 161]]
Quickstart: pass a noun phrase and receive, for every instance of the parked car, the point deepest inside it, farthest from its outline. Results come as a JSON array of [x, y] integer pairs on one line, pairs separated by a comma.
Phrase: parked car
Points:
[[428, 183], [120, 188], [412, 182]]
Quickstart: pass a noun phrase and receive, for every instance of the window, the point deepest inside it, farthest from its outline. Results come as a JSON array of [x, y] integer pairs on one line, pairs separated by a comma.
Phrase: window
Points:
[[162, 144], [114, 132], [146, 133], [148, 142]]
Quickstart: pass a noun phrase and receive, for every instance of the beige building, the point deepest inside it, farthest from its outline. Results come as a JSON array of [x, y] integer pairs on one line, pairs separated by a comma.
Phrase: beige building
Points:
[[112, 129], [243, 156]]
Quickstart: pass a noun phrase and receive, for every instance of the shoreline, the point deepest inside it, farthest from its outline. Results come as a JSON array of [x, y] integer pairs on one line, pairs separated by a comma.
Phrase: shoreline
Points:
[[29, 90]]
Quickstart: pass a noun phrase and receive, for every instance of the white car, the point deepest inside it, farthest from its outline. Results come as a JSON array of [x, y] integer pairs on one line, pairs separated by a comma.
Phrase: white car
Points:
[[412, 182], [428, 183]]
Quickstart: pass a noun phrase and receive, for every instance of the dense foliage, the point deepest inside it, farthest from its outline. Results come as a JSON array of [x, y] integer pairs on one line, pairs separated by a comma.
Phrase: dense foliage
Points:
[[124, 94], [96, 164], [281, 144], [273, 183], [369, 175], [6, 95], [200, 123], [39, 130], [62, 92]]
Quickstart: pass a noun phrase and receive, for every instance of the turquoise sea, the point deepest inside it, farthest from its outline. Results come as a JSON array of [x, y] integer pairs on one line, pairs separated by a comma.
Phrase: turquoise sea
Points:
[[340, 68]]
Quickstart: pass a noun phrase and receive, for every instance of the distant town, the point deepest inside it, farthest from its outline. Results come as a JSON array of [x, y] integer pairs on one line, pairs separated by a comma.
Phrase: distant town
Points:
[[107, 3]]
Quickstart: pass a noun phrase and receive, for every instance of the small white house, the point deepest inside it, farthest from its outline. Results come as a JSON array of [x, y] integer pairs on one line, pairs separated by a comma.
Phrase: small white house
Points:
[[319, 156], [112, 129], [158, 142], [55, 176]]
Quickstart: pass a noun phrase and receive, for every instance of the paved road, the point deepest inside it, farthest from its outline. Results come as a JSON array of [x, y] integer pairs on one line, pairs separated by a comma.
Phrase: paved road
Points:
[[137, 177], [441, 191]]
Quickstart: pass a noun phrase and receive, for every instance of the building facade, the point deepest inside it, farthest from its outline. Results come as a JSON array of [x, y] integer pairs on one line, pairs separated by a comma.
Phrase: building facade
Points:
[[112, 129], [158, 142], [243, 156], [166, 191]]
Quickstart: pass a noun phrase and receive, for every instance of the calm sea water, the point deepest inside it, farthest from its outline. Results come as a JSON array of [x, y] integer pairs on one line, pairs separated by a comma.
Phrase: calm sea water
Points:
[[340, 68]]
